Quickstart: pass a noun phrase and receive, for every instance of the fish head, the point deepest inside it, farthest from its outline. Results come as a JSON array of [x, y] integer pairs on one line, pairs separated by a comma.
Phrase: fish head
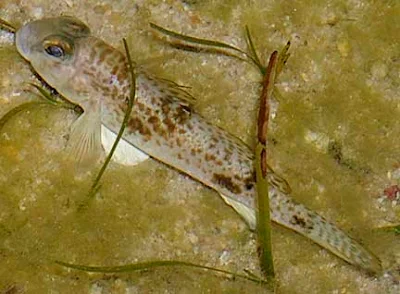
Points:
[[59, 50]]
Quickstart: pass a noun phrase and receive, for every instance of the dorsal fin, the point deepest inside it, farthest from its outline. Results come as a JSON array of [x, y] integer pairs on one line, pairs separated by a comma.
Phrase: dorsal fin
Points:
[[177, 93]]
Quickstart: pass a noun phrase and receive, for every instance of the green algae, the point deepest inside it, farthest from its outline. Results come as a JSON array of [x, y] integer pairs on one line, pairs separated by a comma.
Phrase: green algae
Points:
[[7, 26]]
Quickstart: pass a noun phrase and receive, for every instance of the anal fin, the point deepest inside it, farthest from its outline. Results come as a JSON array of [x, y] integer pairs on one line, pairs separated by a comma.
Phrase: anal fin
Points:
[[247, 213]]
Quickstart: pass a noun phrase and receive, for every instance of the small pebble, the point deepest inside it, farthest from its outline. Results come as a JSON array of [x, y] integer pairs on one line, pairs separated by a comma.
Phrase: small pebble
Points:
[[224, 257], [96, 289], [319, 140], [379, 70]]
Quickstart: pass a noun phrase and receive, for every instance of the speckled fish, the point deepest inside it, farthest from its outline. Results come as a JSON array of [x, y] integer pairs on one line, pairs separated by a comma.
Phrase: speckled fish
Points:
[[89, 72]]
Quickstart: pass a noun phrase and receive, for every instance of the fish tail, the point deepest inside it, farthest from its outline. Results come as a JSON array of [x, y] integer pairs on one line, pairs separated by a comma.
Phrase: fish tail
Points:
[[297, 217]]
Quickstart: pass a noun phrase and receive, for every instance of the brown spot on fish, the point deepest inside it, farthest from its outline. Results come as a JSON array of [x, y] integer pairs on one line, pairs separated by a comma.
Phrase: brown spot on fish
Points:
[[170, 124], [122, 75], [156, 123], [210, 157], [226, 182], [140, 105], [115, 69], [296, 220], [250, 181], [120, 97], [154, 120], [136, 124], [181, 116], [165, 109], [299, 221], [227, 156]]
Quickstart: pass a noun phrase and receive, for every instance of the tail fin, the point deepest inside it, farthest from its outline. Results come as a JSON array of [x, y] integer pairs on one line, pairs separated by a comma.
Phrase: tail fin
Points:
[[297, 217]]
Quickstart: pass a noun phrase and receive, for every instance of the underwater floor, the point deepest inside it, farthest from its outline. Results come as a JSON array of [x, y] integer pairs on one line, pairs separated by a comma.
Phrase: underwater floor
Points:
[[333, 137]]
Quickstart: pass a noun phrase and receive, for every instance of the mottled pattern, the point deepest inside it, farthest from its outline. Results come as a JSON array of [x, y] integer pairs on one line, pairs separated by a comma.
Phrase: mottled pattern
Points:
[[163, 125]]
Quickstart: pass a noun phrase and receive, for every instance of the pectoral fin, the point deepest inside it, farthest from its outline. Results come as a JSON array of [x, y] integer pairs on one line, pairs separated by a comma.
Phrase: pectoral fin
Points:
[[84, 145], [126, 153]]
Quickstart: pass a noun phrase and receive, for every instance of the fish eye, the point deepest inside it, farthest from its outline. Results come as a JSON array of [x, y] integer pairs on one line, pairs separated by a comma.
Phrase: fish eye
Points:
[[57, 47], [55, 51]]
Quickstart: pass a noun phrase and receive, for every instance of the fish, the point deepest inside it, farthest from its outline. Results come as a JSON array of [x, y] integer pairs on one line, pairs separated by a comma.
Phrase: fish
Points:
[[163, 125]]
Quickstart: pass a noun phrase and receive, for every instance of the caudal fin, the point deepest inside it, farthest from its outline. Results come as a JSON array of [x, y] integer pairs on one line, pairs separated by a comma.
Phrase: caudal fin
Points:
[[297, 217]]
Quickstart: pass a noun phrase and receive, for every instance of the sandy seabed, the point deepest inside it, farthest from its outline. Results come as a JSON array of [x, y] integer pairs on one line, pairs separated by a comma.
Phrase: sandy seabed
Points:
[[333, 137]]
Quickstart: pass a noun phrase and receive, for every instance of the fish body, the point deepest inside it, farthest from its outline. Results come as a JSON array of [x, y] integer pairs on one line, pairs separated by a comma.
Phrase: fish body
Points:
[[89, 72]]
